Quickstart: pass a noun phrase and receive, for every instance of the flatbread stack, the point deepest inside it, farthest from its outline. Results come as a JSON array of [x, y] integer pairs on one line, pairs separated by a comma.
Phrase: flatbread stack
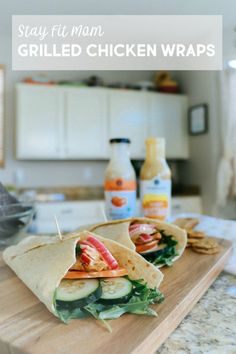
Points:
[[197, 240]]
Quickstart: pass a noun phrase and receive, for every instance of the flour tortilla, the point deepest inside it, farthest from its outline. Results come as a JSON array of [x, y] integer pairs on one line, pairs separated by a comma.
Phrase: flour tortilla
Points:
[[42, 261], [118, 230]]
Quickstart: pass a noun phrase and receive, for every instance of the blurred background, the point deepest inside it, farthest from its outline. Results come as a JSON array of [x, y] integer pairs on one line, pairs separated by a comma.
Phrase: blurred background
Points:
[[55, 126]]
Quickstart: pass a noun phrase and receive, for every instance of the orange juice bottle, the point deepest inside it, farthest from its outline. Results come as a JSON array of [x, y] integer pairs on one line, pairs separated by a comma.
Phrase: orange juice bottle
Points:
[[120, 182], [155, 181]]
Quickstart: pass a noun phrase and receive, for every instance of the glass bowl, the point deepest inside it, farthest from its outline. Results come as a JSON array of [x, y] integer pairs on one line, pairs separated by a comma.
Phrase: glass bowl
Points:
[[14, 220]]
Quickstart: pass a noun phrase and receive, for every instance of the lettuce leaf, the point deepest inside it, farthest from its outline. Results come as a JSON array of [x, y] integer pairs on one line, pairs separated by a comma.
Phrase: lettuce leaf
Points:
[[142, 297], [67, 315], [165, 255]]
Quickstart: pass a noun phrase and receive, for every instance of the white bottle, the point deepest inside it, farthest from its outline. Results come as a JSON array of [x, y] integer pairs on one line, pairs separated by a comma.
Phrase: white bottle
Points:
[[120, 182]]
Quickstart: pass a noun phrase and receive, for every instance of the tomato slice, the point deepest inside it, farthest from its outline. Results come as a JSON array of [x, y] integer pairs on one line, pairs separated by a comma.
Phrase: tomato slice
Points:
[[73, 274], [146, 246]]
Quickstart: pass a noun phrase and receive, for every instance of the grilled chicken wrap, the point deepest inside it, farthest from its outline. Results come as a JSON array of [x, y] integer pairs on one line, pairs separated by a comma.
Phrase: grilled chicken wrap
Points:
[[85, 275], [158, 242]]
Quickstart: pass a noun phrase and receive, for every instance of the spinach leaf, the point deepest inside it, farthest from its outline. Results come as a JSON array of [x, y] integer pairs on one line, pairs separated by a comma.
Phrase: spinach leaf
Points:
[[139, 308], [66, 315], [94, 309], [165, 255], [77, 250], [142, 297]]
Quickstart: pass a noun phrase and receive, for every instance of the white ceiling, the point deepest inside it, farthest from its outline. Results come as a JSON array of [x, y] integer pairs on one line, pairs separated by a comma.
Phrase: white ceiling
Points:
[[71, 7], [227, 8]]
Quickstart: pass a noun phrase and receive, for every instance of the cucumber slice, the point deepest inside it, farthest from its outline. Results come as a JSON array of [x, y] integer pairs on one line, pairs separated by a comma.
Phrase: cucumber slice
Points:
[[116, 290], [77, 293]]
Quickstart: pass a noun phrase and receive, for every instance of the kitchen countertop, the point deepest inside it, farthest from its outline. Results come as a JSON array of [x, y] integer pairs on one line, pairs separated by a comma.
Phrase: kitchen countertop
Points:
[[79, 193], [210, 328]]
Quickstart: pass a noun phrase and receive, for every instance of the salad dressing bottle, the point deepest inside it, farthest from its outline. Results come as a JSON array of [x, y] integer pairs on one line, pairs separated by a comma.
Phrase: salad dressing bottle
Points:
[[155, 181], [120, 182]]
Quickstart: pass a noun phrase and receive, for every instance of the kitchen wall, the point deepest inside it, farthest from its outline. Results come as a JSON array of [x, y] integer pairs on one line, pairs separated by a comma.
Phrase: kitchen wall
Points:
[[52, 173], [204, 149], [200, 86], [201, 169]]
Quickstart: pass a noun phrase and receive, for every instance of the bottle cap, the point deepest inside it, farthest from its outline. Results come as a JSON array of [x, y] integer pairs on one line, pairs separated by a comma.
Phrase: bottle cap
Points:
[[119, 140]]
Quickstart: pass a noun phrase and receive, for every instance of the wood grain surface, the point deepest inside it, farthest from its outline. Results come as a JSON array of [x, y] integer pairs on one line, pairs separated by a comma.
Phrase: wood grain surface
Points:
[[26, 326]]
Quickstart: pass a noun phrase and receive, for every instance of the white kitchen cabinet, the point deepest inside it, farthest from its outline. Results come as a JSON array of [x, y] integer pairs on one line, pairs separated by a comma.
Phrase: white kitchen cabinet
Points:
[[168, 118], [60, 122], [86, 123], [128, 111], [39, 122]]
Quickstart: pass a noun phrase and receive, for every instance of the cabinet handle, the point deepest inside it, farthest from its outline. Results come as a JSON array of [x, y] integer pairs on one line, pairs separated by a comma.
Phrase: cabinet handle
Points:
[[177, 207], [66, 211]]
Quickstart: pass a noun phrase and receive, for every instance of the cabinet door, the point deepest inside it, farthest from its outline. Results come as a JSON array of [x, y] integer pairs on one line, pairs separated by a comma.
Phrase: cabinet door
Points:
[[39, 118], [189, 204], [168, 119], [128, 118], [72, 215], [86, 123]]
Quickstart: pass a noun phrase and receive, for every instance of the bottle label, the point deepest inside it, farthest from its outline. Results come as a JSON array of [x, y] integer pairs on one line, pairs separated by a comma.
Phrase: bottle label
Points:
[[120, 196], [156, 197]]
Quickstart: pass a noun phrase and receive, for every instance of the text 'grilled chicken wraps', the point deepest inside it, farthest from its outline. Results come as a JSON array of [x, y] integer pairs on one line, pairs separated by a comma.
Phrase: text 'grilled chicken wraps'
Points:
[[158, 242], [83, 274]]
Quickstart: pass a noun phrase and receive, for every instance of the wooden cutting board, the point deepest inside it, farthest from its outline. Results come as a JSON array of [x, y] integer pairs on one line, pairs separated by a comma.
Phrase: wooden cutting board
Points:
[[26, 326]]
